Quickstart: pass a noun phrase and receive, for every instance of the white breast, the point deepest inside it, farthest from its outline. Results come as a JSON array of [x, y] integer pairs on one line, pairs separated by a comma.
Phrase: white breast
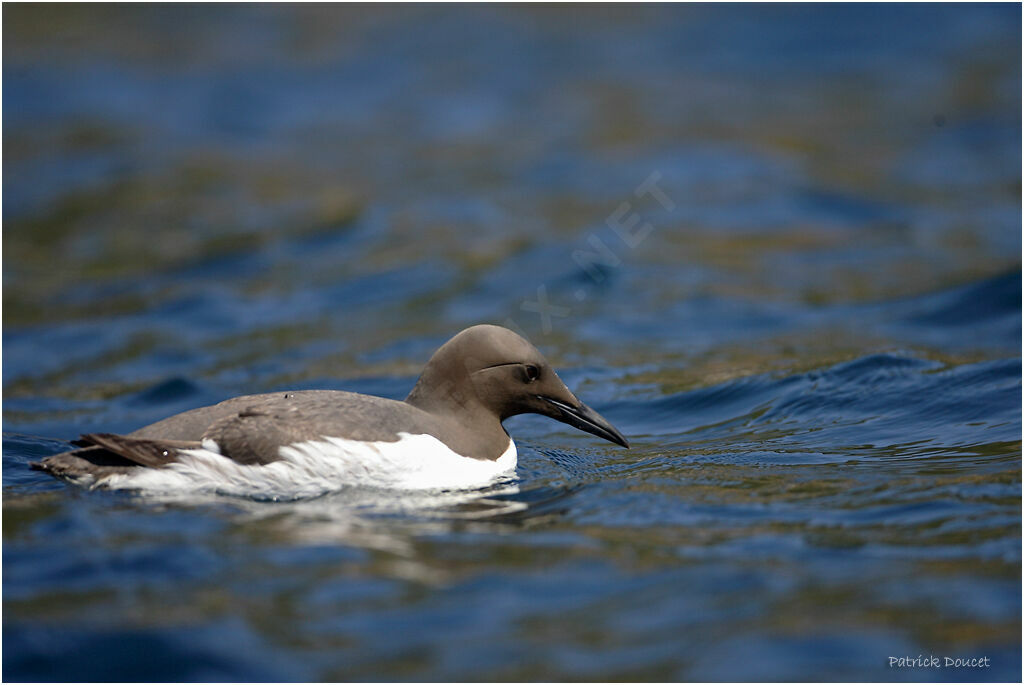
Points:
[[316, 467]]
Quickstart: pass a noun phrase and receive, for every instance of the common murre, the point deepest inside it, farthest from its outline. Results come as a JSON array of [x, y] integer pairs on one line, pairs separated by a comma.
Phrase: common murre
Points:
[[447, 433]]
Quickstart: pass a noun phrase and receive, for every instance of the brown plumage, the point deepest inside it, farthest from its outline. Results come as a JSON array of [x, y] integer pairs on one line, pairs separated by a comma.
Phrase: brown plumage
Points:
[[475, 381]]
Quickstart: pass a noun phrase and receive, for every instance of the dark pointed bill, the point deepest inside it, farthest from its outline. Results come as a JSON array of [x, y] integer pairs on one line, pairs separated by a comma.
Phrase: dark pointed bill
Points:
[[586, 419]]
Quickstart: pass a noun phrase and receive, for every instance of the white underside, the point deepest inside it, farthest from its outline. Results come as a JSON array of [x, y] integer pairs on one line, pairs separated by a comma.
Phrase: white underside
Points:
[[316, 467]]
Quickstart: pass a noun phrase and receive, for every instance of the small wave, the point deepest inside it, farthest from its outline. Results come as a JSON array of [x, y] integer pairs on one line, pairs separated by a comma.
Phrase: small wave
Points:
[[876, 401]]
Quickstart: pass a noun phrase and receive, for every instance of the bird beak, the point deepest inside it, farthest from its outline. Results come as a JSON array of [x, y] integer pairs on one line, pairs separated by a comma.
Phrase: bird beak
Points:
[[586, 419]]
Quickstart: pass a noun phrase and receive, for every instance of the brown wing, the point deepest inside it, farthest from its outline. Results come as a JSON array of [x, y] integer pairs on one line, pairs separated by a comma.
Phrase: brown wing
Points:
[[256, 434]]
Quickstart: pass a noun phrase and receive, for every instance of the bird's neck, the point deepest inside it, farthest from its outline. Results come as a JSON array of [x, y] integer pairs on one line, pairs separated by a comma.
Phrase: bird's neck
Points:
[[458, 403], [445, 396]]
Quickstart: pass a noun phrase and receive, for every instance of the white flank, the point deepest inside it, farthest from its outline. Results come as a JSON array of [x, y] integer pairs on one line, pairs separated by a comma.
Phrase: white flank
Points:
[[316, 467]]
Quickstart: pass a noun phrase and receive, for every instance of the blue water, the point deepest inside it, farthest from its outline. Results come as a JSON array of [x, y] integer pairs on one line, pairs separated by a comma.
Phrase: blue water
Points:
[[810, 334]]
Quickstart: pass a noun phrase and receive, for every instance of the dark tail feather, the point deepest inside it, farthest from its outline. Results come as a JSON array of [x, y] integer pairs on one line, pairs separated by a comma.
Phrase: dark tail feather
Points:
[[97, 456], [141, 451], [94, 462], [105, 454]]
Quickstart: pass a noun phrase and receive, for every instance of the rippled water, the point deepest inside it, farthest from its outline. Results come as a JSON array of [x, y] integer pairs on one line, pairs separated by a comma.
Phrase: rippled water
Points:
[[814, 348]]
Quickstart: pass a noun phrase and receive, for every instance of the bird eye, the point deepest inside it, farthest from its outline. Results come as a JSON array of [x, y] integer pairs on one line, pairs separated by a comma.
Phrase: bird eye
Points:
[[532, 373]]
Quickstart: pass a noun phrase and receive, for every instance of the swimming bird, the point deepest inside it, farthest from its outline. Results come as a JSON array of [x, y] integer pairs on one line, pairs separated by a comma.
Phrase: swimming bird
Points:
[[448, 431]]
